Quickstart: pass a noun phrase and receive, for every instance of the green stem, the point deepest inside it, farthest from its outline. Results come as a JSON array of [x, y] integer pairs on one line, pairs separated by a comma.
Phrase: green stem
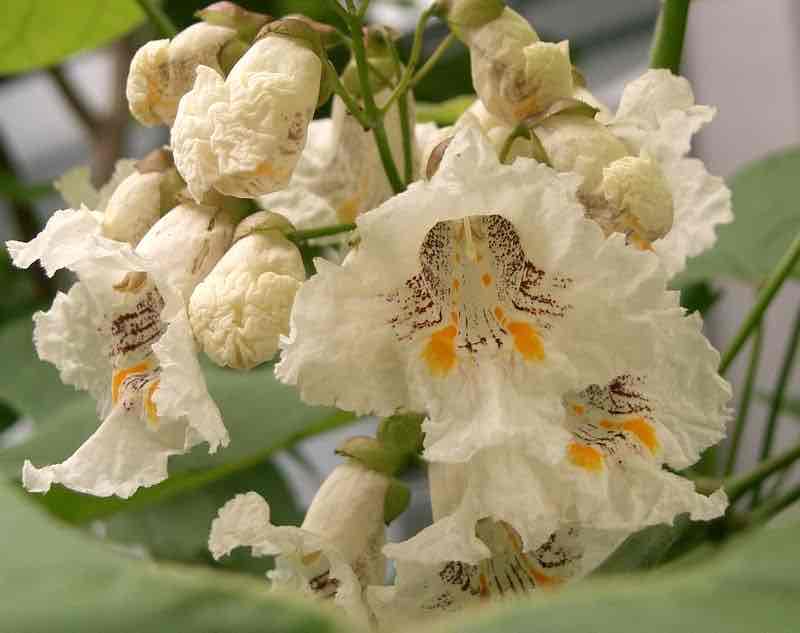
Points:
[[769, 290], [406, 131], [777, 400], [738, 486], [339, 10], [351, 104], [323, 231], [772, 507], [669, 35], [744, 404], [159, 19], [374, 115], [521, 130], [433, 59], [413, 58]]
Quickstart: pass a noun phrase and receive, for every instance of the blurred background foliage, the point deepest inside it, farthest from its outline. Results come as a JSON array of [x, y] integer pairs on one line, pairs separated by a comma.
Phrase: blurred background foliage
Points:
[[279, 446]]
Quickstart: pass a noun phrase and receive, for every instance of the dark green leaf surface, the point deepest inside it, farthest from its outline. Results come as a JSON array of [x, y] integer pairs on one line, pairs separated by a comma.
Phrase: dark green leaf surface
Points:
[[766, 202], [39, 33], [55, 578], [749, 587]]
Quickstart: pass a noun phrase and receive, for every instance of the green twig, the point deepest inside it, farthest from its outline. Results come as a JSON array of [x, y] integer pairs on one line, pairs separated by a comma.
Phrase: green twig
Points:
[[159, 19], [433, 59], [323, 231], [738, 486], [351, 104], [405, 125], [373, 113], [744, 404], [774, 506], [669, 35], [413, 58], [777, 400], [765, 296]]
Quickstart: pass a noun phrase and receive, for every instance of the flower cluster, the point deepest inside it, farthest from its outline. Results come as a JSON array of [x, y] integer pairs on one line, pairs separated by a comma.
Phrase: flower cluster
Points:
[[514, 297]]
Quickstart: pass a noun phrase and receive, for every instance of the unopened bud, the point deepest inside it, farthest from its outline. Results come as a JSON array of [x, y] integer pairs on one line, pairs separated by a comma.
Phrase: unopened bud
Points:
[[471, 13], [162, 71], [636, 189], [230, 15], [241, 309], [243, 135]]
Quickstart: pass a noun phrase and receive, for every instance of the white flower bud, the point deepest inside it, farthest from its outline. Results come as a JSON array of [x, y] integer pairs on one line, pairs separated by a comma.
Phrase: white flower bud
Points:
[[635, 187], [579, 144], [133, 208], [515, 74], [162, 71], [239, 311], [243, 136], [187, 242]]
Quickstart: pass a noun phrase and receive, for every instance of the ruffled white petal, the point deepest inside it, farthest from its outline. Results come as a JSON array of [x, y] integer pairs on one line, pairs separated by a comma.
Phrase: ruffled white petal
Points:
[[357, 360], [75, 185], [306, 562]]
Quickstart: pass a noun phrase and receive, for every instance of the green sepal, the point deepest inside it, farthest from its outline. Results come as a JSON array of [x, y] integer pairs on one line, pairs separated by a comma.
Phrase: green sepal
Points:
[[402, 433], [372, 454], [398, 496]]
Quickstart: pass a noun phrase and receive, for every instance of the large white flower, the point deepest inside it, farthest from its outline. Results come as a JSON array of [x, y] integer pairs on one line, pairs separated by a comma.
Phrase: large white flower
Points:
[[480, 297], [333, 555], [658, 115], [162, 71], [243, 135], [121, 333]]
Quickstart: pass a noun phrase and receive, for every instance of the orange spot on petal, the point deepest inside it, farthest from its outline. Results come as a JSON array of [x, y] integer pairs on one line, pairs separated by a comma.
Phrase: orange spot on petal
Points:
[[149, 406], [526, 340], [486, 279], [640, 427], [120, 375], [585, 456], [440, 351], [456, 284], [499, 315], [579, 409]]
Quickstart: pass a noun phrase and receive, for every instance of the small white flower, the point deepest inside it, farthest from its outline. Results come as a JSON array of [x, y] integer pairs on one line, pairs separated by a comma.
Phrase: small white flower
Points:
[[162, 71], [657, 115], [121, 333], [239, 311], [480, 298], [133, 208], [514, 73], [243, 135], [333, 555]]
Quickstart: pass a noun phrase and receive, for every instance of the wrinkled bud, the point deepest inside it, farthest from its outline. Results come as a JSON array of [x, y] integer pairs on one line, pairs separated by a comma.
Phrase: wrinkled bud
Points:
[[230, 15], [515, 74], [239, 311], [139, 200], [636, 189], [243, 135], [162, 71], [579, 144], [187, 242]]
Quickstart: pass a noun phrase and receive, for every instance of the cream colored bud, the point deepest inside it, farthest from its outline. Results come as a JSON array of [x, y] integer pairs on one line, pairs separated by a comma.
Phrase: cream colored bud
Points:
[[243, 136], [187, 242], [515, 74], [579, 144], [348, 512], [162, 71], [635, 187], [133, 208], [239, 311]]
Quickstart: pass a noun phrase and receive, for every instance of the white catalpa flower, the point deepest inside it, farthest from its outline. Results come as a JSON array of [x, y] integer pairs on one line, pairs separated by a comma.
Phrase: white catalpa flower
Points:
[[480, 298], [162, 71], [657, 116], [333, 555], [243, 135], [121, 333], [239, 311], [514, 73]]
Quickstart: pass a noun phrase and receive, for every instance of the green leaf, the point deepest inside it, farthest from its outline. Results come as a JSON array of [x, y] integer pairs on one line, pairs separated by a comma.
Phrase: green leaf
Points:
[[13, 189], [445, 112], [55, 578], [751, 585], [645, 549], [39, 33], [766, 201], [699, 296]]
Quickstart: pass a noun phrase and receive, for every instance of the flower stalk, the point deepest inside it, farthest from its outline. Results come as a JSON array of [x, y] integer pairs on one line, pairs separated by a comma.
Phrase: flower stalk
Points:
[[737, 487], [669, 35]]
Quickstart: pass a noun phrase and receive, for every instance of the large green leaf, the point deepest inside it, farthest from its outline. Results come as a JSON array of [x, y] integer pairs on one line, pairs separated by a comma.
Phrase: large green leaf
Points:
[[766, 201], [38, 33], [751, 586], [54, 578], [644, 549]]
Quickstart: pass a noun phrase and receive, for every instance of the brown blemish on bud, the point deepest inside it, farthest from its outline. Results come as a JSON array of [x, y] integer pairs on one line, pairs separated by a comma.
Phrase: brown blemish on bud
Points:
[[436, 158]]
